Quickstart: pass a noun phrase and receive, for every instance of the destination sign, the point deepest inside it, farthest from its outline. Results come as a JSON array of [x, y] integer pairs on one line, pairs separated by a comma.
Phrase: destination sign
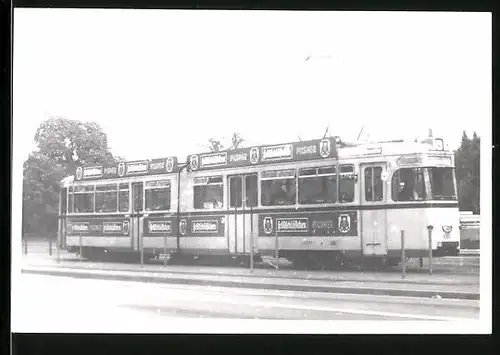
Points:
[[307, 150], [131, 168]]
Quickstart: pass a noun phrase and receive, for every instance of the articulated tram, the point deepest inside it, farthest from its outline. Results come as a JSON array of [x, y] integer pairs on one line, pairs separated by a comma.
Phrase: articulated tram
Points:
[[320, 201]]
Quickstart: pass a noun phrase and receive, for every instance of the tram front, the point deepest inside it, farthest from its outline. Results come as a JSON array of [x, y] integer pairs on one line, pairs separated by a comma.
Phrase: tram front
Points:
[[425, 184]]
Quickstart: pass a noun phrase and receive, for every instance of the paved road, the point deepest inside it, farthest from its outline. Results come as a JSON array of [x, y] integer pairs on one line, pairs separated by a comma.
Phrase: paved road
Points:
[[54, 304]]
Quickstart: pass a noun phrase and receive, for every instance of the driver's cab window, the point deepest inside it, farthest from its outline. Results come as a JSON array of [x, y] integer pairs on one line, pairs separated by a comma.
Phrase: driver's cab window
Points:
[[408, 184]]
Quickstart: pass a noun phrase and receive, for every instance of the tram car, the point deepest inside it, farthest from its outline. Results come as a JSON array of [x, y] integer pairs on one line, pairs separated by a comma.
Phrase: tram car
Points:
[[313, 202]]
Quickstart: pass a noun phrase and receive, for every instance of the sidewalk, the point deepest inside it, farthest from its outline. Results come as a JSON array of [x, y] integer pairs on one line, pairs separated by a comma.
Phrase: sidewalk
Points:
[[416, 285], [414, 276], [408, 289]]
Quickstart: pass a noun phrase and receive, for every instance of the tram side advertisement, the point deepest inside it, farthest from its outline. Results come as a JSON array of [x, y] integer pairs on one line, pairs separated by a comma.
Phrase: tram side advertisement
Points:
[[113, 227], [336, 224]]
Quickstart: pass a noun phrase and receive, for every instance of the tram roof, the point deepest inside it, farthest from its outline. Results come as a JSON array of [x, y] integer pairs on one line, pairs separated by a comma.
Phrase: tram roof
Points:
[[318, 149]]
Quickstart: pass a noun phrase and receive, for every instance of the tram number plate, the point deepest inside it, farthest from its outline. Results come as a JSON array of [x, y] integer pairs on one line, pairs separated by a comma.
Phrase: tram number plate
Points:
[[333, 242]]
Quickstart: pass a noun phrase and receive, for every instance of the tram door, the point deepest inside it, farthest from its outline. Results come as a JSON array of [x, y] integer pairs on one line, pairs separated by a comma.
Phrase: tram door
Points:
[[242, 199], [137, 213], [373, 215]]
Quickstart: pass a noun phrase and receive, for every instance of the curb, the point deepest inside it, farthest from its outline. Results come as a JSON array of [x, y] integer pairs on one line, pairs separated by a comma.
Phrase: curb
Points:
[[256, 285], [291, 277]]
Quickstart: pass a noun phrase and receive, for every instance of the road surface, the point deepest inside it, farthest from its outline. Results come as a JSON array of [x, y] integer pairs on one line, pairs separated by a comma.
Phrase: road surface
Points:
[[60, 304]]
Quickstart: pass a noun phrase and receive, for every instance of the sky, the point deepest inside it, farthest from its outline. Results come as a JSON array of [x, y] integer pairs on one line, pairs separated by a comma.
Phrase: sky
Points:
[[163, 82]]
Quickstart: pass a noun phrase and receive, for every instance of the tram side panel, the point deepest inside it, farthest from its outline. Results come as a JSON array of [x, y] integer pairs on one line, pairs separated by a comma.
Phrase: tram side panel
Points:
[[446, 229], [201, 231], [413, 222], [110, 232], [158, 225], [309, 231]]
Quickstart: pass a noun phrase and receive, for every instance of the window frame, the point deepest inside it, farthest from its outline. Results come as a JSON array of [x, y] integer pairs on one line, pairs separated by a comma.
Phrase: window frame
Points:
[[354, 179], [209, 183], [153, 184], [278, 177], [316, 175], [397, 173], [86, 191], [371, 169], [98, 191]]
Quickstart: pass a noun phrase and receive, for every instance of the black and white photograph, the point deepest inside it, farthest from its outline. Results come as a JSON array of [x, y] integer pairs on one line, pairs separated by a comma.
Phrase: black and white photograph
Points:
[[217, 171]]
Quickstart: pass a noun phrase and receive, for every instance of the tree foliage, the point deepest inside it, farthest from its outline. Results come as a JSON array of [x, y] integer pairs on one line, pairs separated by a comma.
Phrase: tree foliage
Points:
[[216, 145], [467, 162], [62, 145]]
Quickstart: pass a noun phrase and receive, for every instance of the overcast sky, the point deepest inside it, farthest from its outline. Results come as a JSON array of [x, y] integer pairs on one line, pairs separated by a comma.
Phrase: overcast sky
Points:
[[161, 83]]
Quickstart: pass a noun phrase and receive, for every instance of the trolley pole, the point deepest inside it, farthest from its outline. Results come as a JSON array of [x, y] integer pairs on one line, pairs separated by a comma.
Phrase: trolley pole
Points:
[[165, 249], [403, 254], [251, 238], [429, 231]]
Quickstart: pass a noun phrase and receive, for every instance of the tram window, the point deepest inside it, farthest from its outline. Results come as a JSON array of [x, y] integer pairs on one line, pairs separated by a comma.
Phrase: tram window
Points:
[[137, 196], [123, 201], [208, 192], [70, 202], [347, 183], [235, 191], [123, 198], [251, 192], [158, 195], [106, 198], [374, 188], [408, 184], [442, 181], [278, 188], [318, 185], [84, 202]]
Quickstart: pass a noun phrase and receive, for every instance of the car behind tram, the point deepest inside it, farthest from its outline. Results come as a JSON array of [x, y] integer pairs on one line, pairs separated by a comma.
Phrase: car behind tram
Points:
[[321, 202]]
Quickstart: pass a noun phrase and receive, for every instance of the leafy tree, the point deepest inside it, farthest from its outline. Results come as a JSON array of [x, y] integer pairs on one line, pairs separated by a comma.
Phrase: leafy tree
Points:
[[216, 145], [467, 162], [236, 141], [71, 143], [62, 145]]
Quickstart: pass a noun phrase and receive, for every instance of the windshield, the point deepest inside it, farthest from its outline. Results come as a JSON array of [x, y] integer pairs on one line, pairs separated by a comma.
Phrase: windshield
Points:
[[442, 181], [408, 185], [418, 184]]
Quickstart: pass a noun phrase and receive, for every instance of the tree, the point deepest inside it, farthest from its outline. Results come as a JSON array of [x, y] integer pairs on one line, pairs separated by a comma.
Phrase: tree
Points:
[[467, 162], [62, 145], [216, 145], [71, 143], [236, 141]]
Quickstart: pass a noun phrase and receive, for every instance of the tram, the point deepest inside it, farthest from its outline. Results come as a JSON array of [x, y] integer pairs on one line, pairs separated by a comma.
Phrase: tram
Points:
[[313, 202]]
